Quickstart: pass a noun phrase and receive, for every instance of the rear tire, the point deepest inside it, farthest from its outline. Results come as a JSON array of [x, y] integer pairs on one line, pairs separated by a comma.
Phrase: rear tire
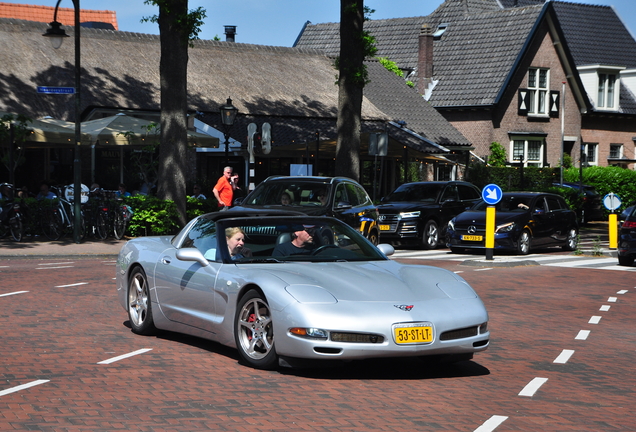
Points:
[[16, 228], [119, 225], [430, 236], [626, 260], [572, 240], [373, 237], [101, 226], [52, 224]]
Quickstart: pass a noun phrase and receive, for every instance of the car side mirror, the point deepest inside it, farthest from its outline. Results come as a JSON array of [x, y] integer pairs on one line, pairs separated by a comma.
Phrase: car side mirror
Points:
[[192, 254], [386, 249], [343, 205], [238, 200]]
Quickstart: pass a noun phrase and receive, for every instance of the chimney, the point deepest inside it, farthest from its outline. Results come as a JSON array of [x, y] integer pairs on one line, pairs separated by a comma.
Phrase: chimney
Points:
[[230, 32], [425, 58]]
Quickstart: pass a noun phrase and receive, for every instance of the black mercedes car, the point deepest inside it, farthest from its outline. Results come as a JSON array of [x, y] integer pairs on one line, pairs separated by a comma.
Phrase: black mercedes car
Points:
[[627, 239], [339, 197], [523, 220], [414, 213]]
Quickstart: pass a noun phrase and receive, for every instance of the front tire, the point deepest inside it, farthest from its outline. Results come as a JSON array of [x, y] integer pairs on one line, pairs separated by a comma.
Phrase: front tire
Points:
[[139, 304], [572, 241], [254, 332], [16, 228], [523, 243], [119, 225], [373, 237], [430, 236]]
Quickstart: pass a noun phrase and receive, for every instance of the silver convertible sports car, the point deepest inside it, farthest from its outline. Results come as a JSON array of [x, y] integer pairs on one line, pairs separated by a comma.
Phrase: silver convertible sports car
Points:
[[285, 288]]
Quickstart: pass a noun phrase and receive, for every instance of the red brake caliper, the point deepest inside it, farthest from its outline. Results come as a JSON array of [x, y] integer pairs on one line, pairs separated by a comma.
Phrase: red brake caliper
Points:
[[252, 318]]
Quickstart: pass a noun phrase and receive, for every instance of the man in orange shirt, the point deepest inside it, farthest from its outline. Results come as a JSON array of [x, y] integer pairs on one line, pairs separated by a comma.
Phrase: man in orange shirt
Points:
[[224, 189]]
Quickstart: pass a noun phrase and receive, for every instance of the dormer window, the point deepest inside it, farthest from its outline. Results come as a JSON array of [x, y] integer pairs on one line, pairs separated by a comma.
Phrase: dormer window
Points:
[[440, 31], [602, 84], [606, 90]]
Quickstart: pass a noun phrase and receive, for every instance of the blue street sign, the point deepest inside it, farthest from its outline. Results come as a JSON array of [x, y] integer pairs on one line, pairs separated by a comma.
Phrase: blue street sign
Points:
[[491, 194], [611, 201], [56, 90]]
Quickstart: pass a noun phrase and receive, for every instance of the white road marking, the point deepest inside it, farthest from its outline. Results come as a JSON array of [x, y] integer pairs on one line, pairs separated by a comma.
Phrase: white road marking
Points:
[[71, 285], [564, 356], [622, 292], [605, 308], [51, 268], [124, 356], [532, 387], [51, 264], [22, 387], [491, 424], [583, 334], [13, 293], [484, 269], [595, 320], [612, 299]]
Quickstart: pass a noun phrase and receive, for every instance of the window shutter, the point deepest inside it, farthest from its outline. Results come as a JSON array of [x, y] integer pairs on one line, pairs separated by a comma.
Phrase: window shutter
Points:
[[555, 103], [522, 107]]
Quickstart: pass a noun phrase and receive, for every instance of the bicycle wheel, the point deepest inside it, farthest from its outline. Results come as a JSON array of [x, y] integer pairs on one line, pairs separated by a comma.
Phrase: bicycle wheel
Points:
[[16, 228], [101, 226], [51, 224], [119, 224]]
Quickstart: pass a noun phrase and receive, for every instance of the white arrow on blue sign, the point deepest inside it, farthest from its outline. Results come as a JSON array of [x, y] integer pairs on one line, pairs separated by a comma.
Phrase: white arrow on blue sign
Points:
[[491, 194], [56, 90]]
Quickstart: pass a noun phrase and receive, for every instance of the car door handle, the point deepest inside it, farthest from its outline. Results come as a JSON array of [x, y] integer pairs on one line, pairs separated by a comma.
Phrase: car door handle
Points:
[[165, 260]]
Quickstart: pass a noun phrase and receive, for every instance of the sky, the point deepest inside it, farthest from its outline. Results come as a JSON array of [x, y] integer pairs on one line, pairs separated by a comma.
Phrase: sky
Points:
[[279, 22]]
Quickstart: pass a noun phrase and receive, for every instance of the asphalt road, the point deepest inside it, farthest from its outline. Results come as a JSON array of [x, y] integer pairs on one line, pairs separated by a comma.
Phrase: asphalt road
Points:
[[561, 359]]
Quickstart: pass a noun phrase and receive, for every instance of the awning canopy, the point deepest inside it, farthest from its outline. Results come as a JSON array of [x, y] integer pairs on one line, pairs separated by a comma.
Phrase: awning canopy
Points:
[[122, 129], [43, 131]]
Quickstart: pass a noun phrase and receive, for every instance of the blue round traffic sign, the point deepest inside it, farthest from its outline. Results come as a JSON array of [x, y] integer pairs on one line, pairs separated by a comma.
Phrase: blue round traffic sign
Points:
[[611, 201], [491, 194]]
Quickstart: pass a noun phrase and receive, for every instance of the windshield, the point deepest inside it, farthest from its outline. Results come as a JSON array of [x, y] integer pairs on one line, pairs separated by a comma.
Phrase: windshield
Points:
[[299, 193], [508, 203], [416, 193], [280, 239]]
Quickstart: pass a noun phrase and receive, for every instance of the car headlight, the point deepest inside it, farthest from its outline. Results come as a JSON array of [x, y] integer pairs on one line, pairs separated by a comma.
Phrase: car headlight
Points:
[[309, 333], [451, 225], [507, 227], [409, 215]]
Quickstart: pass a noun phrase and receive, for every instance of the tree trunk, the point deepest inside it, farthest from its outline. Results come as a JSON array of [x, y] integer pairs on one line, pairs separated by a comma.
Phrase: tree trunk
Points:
[[350, 88], [173, 69]]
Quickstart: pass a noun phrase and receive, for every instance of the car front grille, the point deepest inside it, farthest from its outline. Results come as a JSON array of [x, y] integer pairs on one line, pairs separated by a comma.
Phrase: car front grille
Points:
[[459, 333], [391, 220]]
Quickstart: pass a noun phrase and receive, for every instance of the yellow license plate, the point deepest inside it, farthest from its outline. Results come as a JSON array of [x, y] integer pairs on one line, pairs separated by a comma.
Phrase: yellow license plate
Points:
[[412, 333], [472, 238], [385, 227]]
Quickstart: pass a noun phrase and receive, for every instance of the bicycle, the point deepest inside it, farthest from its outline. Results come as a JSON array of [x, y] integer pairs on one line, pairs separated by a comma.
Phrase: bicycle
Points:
[[12, 217], [96, 214], [121, 217], [59, 218]]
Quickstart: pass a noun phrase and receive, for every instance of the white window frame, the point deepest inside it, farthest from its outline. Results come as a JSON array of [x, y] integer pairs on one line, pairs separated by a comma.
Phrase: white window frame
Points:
[[531, 148], [538, 92], [607, 94], [591, 148], [620, 150]]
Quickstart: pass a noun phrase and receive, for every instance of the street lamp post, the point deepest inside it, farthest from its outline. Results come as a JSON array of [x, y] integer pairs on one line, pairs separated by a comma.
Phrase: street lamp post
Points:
[[57, 35], [228, 115]]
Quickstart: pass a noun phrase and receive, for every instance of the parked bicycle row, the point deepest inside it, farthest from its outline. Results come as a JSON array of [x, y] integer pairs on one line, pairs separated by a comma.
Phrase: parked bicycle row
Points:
[[52, 215]]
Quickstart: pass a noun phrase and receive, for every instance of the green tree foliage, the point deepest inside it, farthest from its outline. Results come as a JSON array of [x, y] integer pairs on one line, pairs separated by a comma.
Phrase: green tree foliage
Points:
[[393, 67], [12, 155], [498, 157]]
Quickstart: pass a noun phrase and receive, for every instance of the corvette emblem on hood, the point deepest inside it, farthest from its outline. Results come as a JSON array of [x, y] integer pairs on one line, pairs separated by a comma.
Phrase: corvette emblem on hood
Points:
[[405, 308]]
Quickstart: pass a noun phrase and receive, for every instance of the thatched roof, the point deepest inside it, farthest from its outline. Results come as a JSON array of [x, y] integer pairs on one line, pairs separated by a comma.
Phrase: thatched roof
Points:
[[121, 69]]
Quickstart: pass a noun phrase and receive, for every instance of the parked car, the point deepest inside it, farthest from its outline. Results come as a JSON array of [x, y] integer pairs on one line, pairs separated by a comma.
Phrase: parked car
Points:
[[342, 299], [627, 239], [523, 221], [592, 208], [339, 197], [417, 213], [628, 210]]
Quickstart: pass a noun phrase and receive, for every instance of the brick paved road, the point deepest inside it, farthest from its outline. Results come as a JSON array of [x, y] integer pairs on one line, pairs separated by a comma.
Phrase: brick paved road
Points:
[[58, 332]]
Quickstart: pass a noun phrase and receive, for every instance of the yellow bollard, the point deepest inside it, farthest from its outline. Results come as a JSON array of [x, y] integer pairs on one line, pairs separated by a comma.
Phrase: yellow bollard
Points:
[[490, 232], [613, 231]]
